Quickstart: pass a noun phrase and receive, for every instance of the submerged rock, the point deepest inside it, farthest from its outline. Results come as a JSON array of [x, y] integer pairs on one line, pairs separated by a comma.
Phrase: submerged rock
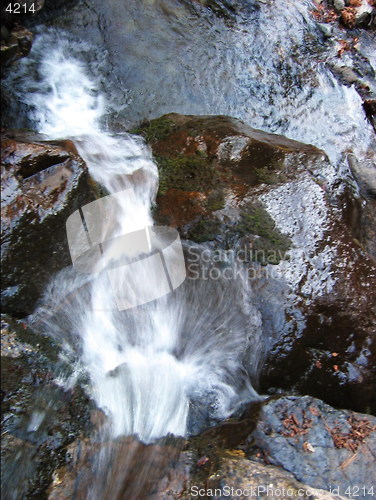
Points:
[[42, 184]]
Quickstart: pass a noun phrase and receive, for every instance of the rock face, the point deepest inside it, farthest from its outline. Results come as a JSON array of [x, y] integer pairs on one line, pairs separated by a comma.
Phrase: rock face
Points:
[[16, 40], [42, 184], [296, 222], [39, 417], [322, 447], [297, 445], [15, 44], [365, 174]]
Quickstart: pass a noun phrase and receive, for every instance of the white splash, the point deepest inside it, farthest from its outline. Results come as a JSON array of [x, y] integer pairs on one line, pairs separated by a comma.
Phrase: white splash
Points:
[[145, 363]]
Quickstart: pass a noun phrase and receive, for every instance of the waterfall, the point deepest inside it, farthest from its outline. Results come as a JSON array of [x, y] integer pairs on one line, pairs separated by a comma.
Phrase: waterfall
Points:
[[146, 363]]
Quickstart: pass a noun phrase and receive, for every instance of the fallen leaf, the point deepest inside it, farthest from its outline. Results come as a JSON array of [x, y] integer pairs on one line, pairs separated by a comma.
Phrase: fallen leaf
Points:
[[202, 461], [308, 447], [314, 410]]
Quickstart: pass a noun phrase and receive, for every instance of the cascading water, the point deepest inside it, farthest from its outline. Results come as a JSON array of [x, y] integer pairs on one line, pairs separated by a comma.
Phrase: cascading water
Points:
[[145, 364]]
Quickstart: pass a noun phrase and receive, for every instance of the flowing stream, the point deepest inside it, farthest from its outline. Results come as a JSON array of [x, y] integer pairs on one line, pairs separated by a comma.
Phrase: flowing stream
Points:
[[145, 363], [153, 367]]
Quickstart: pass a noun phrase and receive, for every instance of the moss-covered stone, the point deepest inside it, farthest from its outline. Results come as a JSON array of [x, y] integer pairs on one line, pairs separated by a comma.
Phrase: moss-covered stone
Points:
[[154, 130], [209, 164], [204, 230], [266, 175], [215, 200], [188, 173], [271, 246]]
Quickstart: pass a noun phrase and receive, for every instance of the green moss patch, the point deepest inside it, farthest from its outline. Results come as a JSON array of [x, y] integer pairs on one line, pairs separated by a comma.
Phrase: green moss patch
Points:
[[271, 246], [215, 200], [154, 130], [204, 230], [266, 176], [188, 173]]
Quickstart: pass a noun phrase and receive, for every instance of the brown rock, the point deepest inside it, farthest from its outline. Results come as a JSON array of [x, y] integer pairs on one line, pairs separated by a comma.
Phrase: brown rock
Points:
[[16, 44], [242, 478], [42, 184]]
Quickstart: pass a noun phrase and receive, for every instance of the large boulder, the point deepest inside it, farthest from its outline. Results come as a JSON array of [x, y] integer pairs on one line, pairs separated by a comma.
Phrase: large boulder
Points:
[[207, 167], [42, 184], [296, 222], [322, 447]]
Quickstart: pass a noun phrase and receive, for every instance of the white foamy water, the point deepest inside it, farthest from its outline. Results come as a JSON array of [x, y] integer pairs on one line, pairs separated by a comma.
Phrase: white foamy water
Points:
[[147, 363]]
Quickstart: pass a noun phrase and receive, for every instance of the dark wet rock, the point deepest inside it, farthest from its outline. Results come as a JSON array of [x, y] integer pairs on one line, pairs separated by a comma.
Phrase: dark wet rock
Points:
[[51, 9], [16, 40], [365, 175], [42, 184], [11, 15], [16, 44], [333, 356], [39, 416], [320, 446], [369, 106], [278, 203]]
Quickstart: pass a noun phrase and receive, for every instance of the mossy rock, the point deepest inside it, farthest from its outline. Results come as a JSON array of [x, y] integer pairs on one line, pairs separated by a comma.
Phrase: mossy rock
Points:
[[265, 243], [154, 130], [214, 163], [188, 173], [271, 246], [204, 230]]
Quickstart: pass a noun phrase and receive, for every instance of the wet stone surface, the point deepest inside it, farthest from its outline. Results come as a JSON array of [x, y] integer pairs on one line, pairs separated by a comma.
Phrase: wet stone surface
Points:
[[42, 184], [321, 446], [39, 416]]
